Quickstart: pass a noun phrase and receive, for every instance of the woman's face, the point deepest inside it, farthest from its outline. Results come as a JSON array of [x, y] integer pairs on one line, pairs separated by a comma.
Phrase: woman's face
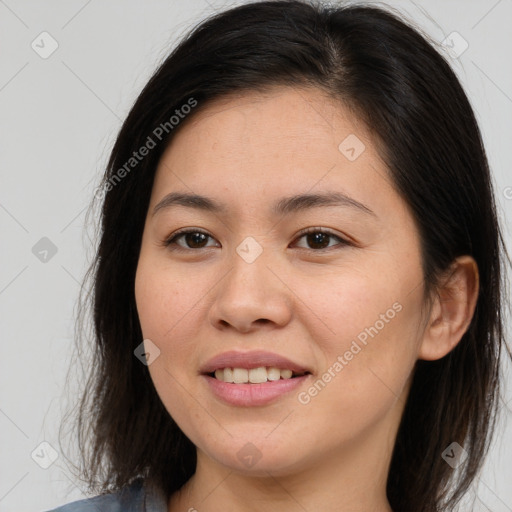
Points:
[[343, 306]]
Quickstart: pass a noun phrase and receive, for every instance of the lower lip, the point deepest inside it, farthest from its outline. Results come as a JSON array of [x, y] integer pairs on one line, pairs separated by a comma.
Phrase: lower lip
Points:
[[250, 395]]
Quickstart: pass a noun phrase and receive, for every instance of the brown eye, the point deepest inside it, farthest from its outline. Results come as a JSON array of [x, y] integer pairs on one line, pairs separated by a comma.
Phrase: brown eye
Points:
[[316, 240], [319, 239], [193, 238]]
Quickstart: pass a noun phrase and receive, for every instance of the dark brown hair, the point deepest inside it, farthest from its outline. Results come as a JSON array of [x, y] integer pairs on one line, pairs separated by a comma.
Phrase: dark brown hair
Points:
[[425, 128]]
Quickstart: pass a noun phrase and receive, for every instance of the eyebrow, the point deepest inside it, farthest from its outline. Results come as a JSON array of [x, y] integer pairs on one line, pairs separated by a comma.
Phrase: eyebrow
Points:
[[283, 206]]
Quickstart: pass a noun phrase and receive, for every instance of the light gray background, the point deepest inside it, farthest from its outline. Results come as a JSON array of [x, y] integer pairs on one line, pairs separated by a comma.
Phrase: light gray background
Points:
[[58, 119]]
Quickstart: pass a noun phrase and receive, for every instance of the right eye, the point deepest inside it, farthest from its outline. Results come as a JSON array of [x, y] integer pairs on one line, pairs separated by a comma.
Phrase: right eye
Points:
[[194, 239]]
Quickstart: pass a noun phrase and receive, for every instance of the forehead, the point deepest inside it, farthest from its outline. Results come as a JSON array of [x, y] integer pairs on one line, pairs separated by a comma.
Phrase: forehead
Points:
[[280, 128], [290, 119], [255, 147]]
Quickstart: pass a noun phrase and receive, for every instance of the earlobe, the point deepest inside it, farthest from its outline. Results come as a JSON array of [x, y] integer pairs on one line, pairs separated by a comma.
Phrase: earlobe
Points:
[[453, 309]]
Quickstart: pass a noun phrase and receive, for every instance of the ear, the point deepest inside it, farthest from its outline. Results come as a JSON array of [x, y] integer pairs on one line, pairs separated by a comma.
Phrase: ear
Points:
[[452, 309]]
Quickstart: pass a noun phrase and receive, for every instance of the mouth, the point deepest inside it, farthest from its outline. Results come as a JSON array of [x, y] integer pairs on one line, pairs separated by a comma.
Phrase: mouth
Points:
[[253, 378], [254, 387], [257, 375]]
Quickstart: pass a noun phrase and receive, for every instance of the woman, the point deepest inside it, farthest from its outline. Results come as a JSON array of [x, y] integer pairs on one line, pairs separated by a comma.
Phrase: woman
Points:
[[298, 289]]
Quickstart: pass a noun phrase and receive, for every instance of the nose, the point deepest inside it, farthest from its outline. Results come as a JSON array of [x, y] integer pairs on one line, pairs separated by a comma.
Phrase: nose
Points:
[[251, 296]]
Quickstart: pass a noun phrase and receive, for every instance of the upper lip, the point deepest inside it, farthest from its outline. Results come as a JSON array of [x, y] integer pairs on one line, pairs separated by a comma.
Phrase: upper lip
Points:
[[253, 359]]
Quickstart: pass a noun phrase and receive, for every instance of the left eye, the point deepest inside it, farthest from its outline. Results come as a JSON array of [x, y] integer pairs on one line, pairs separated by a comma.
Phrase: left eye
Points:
[[317, 239]]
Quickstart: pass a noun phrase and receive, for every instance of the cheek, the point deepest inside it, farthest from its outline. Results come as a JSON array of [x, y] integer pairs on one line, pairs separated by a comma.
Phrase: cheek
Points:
[[166, 317], [348, 306], [166, 299], [369, 350], [170, 305]]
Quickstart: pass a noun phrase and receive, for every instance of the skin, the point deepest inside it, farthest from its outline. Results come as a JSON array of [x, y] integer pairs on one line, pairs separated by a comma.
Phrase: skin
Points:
[[296, 300]]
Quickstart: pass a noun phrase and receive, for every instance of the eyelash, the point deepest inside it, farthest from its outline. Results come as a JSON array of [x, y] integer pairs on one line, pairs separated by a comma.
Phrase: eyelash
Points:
[[171, 240]]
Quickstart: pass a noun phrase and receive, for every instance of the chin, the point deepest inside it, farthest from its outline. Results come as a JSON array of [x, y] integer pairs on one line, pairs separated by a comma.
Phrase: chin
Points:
[[258, 458]]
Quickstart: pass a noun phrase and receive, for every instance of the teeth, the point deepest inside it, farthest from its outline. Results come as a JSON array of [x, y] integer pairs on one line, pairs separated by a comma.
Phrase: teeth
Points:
[[273, 373], [258, 375], [228, 375], [286, 374], [253, 376], [240, 375]]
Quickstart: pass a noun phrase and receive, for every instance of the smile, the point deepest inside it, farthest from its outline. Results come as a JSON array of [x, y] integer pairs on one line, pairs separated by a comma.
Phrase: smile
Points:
[[254, 375], [253, 394]]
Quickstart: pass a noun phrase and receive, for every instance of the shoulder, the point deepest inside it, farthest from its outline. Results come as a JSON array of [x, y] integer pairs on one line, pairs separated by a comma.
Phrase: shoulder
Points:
[[137, 497]]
